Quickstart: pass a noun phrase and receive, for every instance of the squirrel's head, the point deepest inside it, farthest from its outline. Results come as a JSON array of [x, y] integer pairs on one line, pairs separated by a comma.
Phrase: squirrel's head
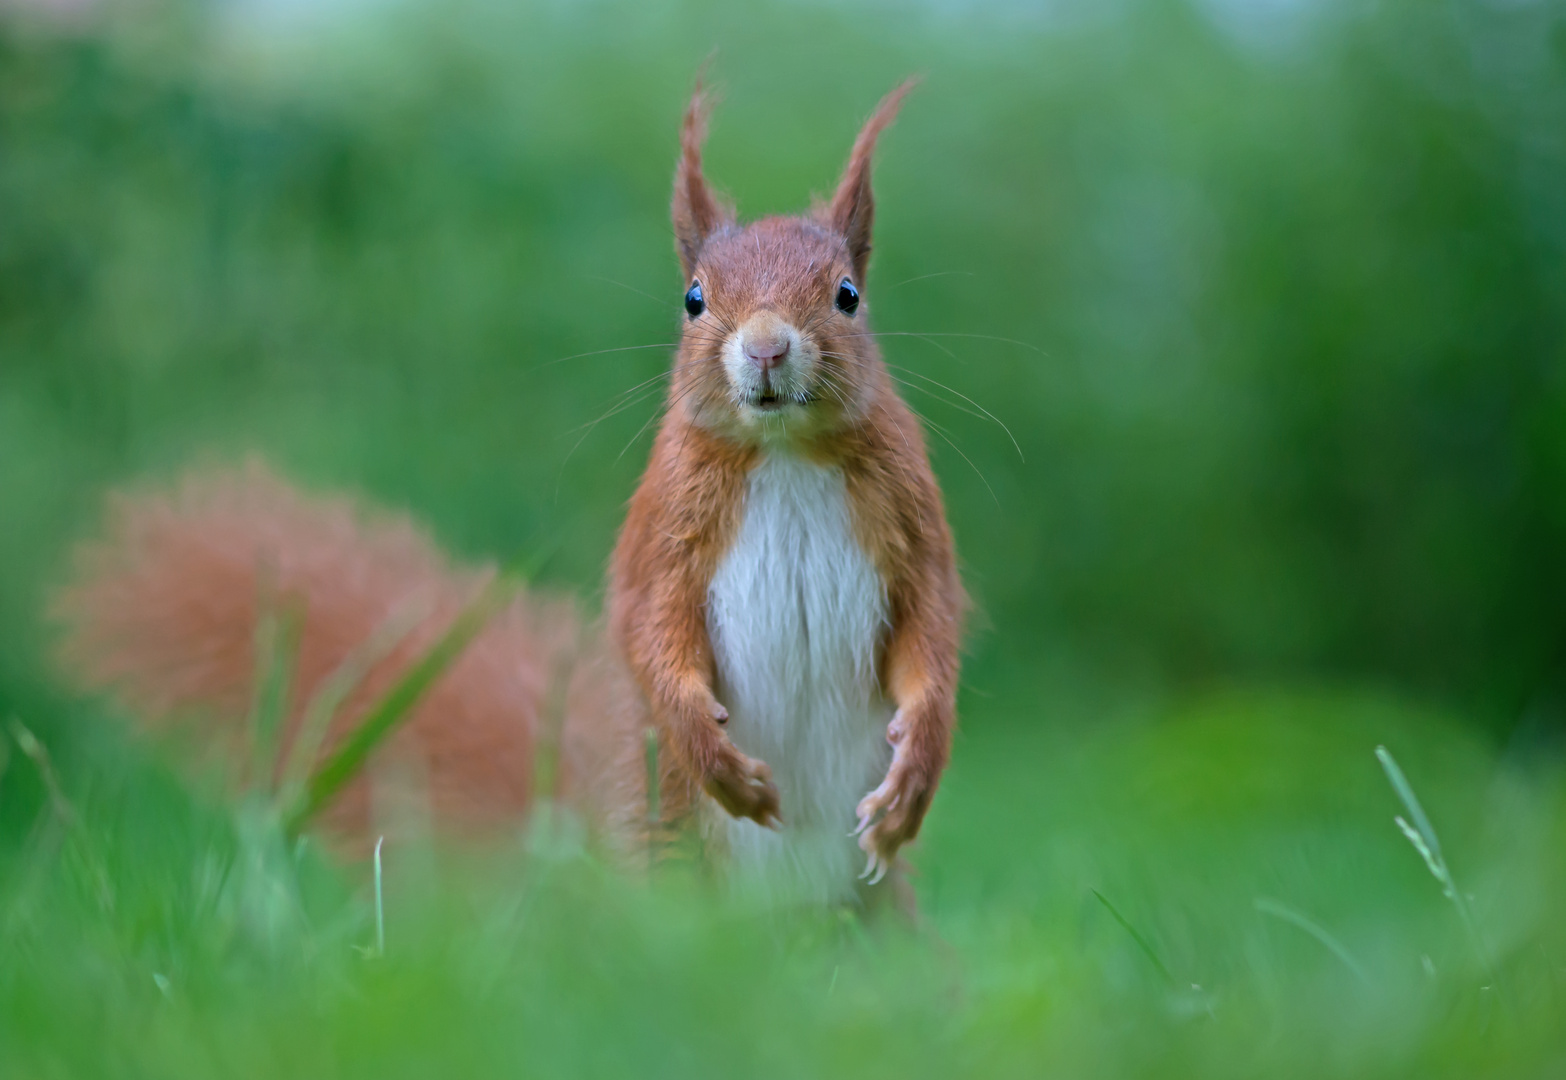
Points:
[[774, 342]]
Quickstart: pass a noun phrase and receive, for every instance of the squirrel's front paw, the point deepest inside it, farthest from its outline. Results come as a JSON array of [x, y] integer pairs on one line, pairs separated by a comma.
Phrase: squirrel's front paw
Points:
[[890, 815], [743, 786]]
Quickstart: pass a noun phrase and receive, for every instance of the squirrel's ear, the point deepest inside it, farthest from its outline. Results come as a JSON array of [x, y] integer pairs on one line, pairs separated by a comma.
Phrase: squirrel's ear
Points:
[[697, 213], [853, 207]]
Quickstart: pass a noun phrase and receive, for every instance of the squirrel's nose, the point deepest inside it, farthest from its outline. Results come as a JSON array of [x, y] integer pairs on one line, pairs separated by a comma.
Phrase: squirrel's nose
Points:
[[767, 352]]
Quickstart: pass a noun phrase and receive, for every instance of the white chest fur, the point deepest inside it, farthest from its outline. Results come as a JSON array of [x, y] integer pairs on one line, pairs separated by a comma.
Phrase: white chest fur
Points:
[[796, 613]]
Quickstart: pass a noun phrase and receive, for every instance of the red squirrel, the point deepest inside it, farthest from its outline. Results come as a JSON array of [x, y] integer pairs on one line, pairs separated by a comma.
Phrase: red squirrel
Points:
[[784, 607]]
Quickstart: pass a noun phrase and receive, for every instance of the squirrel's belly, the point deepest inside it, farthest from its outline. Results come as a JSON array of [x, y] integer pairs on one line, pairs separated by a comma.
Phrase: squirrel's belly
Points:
[[796, 613]]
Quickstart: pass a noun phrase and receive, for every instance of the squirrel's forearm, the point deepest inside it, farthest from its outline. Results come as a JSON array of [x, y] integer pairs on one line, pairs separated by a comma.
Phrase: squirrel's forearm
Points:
[[671, 655], [662, 567], [921, 663], [664, 637]]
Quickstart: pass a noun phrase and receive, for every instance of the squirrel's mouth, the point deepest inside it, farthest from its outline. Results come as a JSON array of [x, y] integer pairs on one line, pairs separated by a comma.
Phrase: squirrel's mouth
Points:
[[771, 401]]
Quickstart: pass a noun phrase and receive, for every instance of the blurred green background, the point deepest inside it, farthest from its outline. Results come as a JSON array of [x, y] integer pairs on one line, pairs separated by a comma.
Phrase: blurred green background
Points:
[[1271, 293]]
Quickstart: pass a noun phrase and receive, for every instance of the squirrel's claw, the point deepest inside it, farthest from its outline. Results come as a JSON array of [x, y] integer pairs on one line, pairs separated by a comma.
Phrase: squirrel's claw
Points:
[[890, 815], [743, 786]]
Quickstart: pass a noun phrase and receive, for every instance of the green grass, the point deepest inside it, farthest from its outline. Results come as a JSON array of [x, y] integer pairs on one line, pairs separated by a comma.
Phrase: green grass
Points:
[[1100, 905]]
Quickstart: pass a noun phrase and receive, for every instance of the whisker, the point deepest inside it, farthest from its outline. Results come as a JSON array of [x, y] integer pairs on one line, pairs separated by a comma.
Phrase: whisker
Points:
[[835, 392], [618, 403], [978, 410], [602, 352], [941, 431], [933, 426], [665, 374], [683, 438], [587, 429], [936, 334], [931, 393], [657, 413], [926, 277], [839, 368], [645, 425], [970, 401], [615, 410], [926, 338], [631, 288], [692, 335]]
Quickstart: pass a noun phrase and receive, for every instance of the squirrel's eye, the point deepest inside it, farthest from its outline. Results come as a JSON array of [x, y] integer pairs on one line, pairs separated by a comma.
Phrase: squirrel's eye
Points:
[[847, 297], [694, 304]]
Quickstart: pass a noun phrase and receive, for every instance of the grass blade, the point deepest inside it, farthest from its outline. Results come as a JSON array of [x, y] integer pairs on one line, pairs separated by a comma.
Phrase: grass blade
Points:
[[1422, 835], [1316, 930], [277, 650], [342, 682], [38, 754], [384, 717], [1431, 847], [380, 907], [1136, 937]]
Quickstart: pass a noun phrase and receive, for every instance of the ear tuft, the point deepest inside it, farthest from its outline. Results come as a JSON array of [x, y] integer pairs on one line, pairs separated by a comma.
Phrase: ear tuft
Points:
[[853, 207], [697, 213]]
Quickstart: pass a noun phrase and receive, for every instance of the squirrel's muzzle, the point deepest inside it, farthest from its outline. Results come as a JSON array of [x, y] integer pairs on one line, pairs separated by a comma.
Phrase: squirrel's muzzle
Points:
[[768, 362]]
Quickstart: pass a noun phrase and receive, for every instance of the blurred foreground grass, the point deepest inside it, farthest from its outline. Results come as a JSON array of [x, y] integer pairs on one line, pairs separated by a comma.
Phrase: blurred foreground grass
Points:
[[1275, 923]]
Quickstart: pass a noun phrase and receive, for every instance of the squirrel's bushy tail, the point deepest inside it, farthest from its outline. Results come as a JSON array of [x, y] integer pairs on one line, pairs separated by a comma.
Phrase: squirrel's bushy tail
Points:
[[162, 613]]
